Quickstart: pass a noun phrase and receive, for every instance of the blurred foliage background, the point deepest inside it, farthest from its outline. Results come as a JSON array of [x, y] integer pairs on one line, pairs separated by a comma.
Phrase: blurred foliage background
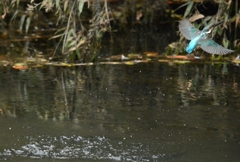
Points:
[[75, 28]]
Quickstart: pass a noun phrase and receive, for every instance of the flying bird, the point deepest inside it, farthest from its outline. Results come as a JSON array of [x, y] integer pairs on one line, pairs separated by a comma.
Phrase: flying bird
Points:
[[200, 38]]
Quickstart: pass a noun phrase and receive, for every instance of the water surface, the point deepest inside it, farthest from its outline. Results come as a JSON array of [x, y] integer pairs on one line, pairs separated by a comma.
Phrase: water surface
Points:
[[146, 112]]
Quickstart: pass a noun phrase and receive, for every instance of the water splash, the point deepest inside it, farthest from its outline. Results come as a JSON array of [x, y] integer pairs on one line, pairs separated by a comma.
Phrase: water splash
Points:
[[78, 147]]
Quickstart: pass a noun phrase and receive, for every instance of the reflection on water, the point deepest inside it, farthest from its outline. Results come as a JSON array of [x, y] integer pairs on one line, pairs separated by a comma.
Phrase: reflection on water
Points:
[[145, 112]]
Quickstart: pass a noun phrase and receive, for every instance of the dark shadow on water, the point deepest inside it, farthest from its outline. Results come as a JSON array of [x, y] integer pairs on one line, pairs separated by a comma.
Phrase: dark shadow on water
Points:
[[138, 39]]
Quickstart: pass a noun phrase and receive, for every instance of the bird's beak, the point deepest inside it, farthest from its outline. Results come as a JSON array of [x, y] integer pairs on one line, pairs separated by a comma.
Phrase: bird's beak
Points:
[[217, 24], [214, 25]]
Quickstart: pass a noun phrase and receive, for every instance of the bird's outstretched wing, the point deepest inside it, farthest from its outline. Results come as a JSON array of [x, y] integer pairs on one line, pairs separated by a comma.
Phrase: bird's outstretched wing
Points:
[[210, 46], [187, 30]]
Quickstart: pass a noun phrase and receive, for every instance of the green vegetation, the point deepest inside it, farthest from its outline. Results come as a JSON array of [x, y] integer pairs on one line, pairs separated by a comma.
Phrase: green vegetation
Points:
[[76, 41], [77, 26]]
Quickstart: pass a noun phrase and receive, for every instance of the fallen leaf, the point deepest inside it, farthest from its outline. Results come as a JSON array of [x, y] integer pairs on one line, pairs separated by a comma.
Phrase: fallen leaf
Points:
[[196, 17], [20, 66]]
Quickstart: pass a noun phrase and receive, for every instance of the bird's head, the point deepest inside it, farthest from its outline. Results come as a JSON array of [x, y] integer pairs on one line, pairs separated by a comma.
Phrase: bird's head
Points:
[[208, 29]]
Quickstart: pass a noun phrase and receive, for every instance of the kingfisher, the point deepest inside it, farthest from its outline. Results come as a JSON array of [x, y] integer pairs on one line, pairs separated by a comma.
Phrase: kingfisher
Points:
[[200, 38]]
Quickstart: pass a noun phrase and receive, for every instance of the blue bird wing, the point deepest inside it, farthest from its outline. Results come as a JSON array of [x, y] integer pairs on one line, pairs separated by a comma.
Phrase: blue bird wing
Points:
[[212, 47], [187, 30]]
